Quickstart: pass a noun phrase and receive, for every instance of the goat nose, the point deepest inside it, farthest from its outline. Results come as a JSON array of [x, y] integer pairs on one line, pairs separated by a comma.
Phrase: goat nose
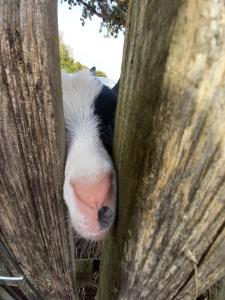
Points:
[[94, 194], [105, 217]]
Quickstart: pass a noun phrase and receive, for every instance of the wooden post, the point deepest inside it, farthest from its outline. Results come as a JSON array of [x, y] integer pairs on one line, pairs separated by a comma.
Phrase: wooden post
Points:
[[170, 154], [32, 212]]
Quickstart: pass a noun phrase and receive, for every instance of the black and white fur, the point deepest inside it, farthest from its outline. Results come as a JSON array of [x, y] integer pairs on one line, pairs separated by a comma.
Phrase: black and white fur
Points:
[[89, 112]]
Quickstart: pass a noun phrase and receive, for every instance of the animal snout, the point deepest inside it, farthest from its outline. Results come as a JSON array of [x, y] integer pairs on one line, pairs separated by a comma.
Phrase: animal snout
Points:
[[95, 193], [95, 202]]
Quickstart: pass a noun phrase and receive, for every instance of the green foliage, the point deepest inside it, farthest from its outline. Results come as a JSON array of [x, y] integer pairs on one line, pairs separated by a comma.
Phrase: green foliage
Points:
[[113, 13], [100, 73], [67, 62]]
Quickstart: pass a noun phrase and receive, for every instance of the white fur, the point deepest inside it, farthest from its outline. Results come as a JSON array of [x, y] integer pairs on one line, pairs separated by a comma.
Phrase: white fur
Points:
[[79, 91], [87, 157]]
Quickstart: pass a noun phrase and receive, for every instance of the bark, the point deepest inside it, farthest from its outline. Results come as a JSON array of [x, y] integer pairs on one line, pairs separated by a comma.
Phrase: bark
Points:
[[170, 154], [34, 232]]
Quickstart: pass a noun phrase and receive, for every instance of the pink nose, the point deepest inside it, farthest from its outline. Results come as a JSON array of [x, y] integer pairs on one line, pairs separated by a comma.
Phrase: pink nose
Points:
[[94, 200]]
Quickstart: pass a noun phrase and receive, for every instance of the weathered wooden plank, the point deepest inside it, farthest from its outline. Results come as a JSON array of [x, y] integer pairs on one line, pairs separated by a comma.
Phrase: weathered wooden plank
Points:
[[32, 212], [170, 154], [4, 295]]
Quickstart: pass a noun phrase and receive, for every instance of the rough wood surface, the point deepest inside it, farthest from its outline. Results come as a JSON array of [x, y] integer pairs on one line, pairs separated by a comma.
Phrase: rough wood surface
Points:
[[32, 213], [170, 154], [220, 293]]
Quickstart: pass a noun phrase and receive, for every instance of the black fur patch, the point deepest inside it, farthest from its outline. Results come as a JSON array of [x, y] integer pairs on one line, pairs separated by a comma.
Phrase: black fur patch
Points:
[[105, 109]]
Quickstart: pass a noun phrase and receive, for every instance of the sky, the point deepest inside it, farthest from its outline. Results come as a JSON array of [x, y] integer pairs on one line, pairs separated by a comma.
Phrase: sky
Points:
[[88, 46]]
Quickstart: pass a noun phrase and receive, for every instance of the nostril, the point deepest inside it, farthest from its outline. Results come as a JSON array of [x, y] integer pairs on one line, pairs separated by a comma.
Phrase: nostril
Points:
[[105, 217]]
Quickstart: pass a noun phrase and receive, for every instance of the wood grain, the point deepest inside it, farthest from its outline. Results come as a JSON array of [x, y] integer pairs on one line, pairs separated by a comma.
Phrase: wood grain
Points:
[[32, 212], [170, 154]]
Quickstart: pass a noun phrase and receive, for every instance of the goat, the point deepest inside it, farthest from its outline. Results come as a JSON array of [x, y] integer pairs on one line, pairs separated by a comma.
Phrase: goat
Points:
[[90, 179]]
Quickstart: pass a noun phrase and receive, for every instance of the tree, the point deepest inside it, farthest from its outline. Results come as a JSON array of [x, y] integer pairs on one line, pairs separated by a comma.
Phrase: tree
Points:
[[100, 74], [170, 154], [68, 64], [113, 13], [34, 237]]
